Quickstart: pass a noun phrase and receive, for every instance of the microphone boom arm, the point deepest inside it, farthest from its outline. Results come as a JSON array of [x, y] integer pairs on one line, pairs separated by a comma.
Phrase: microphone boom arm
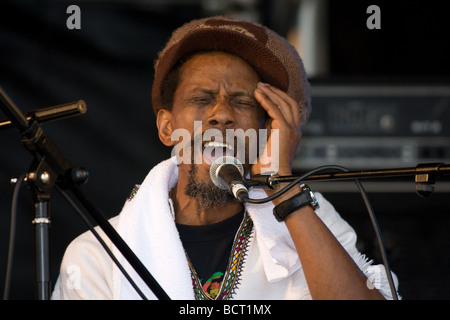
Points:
[[425, 176]]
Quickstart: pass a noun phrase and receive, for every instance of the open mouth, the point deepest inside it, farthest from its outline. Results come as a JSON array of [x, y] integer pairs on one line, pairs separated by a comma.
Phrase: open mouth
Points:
[[213, 150]]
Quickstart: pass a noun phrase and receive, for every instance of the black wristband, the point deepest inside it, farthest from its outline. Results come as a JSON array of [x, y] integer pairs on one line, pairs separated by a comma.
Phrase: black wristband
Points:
[[304, 198]]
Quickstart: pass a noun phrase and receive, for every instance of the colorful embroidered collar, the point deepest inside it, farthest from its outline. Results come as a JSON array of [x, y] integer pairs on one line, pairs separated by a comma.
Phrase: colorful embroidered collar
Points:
[[232, 275]]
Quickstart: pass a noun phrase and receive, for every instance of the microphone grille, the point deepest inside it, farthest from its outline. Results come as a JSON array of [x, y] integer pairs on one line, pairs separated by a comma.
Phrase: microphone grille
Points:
[[218, 163]]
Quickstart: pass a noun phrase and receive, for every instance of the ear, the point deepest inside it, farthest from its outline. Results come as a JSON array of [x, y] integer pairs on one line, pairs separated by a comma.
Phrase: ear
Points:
[[165, 127]]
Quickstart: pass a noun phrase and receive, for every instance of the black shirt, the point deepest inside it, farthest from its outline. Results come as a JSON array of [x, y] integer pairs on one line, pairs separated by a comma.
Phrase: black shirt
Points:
[[209, 247]]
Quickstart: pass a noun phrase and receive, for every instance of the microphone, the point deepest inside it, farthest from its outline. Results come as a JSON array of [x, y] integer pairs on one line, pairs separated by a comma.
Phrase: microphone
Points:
[[227, 173], [51, 113]]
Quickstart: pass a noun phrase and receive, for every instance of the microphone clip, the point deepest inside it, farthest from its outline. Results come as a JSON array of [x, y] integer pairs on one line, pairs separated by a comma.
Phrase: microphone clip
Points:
[[266, 181], [425, 178]]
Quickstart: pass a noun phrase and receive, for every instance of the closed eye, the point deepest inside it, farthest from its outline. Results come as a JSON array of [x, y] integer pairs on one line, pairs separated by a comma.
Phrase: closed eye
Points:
[[202, 100], [244, 102]]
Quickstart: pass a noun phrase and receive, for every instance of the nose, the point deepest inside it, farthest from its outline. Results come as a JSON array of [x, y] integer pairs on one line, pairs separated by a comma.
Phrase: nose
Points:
[[221, 115]]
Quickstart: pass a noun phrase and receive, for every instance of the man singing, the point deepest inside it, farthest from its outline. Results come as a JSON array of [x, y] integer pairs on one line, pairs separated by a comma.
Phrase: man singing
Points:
[[196, 239]]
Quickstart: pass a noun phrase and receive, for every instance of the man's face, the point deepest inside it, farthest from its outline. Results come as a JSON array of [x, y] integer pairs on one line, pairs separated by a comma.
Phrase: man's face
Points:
[[217, 90]]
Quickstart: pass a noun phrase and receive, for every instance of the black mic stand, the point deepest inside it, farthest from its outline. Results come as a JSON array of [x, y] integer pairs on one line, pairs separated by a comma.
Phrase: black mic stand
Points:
[[425, 176], [50, 167]]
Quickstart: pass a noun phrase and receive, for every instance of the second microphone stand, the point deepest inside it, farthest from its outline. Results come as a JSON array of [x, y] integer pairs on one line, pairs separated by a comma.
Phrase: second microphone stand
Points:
[[50, 167]]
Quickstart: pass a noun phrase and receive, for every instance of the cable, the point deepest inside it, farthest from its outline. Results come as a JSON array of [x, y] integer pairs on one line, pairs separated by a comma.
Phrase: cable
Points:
[[292, 184], [369, 208], [104, 245], [379, 237], [12, 237]]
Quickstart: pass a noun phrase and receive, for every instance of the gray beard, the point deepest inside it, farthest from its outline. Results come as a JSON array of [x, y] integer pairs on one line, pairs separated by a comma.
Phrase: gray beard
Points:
[[207, 195]]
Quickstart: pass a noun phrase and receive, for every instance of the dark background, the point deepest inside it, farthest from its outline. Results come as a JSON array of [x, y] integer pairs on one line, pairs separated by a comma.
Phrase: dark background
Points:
[[109, 64]]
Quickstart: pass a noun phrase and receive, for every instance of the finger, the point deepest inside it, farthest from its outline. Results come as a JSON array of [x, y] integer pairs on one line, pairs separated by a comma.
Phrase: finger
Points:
[[293, 104], [277, 100], [287, 105], [269, 106]]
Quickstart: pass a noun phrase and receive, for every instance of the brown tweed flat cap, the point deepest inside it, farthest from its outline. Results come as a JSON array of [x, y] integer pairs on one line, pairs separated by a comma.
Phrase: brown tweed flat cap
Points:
[[273, 58]]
